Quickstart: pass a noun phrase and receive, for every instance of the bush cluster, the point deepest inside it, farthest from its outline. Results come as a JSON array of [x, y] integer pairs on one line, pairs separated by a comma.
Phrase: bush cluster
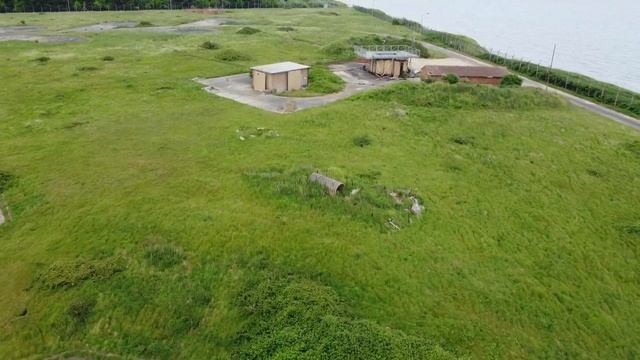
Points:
[[210, 45], [232, 55], [292, 317], [248, 31]]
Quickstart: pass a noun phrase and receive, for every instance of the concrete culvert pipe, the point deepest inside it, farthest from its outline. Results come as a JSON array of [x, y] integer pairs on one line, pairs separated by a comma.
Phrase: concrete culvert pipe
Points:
[[332, 185]]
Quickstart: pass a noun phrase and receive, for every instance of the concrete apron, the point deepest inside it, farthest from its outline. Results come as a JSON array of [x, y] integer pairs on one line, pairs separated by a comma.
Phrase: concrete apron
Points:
[[238, 88]]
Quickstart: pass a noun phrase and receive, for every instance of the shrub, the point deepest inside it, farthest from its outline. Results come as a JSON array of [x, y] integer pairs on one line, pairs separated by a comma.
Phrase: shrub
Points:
[[87, 68], [107, 58], [464, 140], [248, 31], [292, 317], [22, 22], [144, 24], [451, 78], [80, 310], [6, 181], [321, 81], [42, 59], [511, 80], [65, 274], [232, 55], [209, 45], [362, 140], [633, 147]]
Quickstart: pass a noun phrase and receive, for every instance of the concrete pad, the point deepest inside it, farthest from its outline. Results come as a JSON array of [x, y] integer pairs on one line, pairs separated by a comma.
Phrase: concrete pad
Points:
[[31, 33], [112, 25], [238, 88]]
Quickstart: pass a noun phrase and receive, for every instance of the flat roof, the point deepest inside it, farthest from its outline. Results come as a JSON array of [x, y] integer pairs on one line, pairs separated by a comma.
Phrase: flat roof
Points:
[[280, 67], [388, 55], [466, 71]]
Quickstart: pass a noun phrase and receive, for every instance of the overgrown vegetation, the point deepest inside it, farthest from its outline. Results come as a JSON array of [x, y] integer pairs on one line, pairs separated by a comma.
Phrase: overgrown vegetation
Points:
[[6, 180], [451, 78], [247, 30], [210, 45], [463, 96], [322, 81], [144, 23], [163, 256], [511, 80], [232, 55], [69, 273], [363, 197], [362, 140], [292, 317]]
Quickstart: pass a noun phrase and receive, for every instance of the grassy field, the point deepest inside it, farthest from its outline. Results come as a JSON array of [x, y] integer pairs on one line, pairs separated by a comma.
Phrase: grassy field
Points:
[[143, 227]]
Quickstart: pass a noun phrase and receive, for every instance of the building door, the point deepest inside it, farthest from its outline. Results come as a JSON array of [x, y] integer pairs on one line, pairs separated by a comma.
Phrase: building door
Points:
[[259, 81], [295, 80]]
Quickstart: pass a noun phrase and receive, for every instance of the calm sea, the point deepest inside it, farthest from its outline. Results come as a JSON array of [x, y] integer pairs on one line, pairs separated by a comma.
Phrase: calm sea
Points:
[[599, 38]]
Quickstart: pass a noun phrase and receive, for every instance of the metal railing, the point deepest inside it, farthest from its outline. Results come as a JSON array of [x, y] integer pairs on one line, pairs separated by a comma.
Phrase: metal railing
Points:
[[364, 50]]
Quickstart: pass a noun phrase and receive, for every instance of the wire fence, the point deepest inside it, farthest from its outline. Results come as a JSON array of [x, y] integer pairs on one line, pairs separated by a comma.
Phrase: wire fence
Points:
[[611, 95]]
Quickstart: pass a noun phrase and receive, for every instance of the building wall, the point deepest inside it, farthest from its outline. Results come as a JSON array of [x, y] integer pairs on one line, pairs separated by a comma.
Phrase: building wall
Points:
[[259, 80], [277, 82], [294, 80], [393, 68]]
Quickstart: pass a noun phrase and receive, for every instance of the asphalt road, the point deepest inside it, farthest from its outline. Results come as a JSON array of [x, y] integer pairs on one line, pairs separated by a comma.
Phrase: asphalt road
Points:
[[585, 104]]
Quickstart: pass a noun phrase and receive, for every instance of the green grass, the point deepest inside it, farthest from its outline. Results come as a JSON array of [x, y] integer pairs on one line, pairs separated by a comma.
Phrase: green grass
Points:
[[322, 81], [143, 227]]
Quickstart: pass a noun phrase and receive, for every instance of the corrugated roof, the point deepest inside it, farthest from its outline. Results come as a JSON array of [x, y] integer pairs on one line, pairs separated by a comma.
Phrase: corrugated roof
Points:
[[466, 71], [280, 67]]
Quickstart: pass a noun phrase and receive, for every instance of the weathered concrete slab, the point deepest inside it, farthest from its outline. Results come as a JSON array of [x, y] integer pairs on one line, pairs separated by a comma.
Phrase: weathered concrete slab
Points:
[[238, 88]]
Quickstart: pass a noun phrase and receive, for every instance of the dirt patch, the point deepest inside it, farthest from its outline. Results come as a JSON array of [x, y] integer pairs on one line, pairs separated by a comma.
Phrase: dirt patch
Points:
[[32, 33], [207, 11], [112, 25]]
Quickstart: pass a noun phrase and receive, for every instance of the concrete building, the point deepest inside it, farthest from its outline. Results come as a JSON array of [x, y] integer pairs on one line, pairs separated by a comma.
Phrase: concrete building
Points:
[[387, 60], [285, 76], [489, 75]]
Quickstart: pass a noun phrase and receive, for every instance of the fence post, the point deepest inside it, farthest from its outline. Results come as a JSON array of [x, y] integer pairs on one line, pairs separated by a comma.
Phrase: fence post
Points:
[[615, 102]]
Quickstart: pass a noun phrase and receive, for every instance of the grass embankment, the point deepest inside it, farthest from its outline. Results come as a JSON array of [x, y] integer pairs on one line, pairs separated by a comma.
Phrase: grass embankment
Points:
[[612, 96], [144, 227]]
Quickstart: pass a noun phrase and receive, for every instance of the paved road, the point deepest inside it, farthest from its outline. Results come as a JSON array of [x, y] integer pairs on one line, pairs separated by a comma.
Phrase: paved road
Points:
[[585, 104]]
